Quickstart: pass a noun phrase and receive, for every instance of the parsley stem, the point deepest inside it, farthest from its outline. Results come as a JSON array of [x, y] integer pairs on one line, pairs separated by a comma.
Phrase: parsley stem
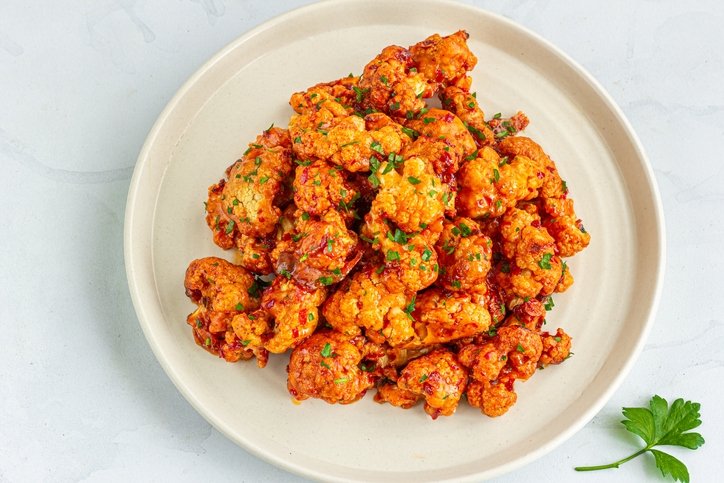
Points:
[[612, 465]]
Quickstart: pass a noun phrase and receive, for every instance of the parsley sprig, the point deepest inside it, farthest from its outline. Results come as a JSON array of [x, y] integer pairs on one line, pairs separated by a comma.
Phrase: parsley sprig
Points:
[[662, 426]]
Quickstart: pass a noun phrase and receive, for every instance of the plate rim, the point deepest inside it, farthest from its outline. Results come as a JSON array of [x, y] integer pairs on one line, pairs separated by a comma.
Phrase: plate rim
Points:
[[133, 258]]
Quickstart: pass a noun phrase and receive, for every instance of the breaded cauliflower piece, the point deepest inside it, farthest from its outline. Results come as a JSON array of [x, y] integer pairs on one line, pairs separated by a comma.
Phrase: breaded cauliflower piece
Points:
[[221, 291], [325, 366], [294, 309], [503, 127], [536, 268], [391, 83], [556, 348], [329, 133], [440, 124], [246, 203], [439, 378], [342, 92], [561, 222], [364, 301], [412, 199], [489, 185], [393, 394], [320, 252], [321, 186], [410, 260], [439, 316], [494, 398], [512, 146], [464, 255], [465, 106], [445, 60]]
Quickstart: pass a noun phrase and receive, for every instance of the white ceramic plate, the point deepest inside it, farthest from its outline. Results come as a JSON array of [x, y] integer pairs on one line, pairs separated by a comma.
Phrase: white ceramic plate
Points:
[[246, 87]]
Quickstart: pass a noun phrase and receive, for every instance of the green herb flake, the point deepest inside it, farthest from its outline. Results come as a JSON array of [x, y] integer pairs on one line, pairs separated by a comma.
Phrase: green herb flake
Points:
[[413, 180], [423, 378], [341, 380], [544, 262], [239, 307]]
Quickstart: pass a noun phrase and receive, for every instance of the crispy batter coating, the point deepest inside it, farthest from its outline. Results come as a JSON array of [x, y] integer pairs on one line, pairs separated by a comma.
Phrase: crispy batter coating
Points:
[[464, 255], [503, 127], [439, 378], [341, 91], [294, 309], [489, 185], [321, 251], [513, 146], [221, 291], [567, 230], [445, 60], [325, 366]]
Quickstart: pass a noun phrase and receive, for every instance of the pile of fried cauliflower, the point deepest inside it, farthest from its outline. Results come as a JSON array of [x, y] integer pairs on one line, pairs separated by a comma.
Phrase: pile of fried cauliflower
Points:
[[415, 249]]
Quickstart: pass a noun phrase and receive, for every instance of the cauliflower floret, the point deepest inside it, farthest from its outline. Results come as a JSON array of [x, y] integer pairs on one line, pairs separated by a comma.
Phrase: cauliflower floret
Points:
[[221, 290], [556, 348], [246, 202], [321, 186], [410, 261], [536, 268], [412, 199], [325, 366], [439, 378], [391, 84], [464, 255], [445, 60], [393, 394], [294, 309], [494, 398], [465, 106], [503, 127], [330, 134], [561, 222], [321, 252], [490, 185], [512, 146], [444, 125], [439, 317]]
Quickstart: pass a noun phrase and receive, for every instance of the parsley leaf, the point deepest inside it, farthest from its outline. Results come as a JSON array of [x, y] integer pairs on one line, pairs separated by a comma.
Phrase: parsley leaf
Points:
[[659, 426]]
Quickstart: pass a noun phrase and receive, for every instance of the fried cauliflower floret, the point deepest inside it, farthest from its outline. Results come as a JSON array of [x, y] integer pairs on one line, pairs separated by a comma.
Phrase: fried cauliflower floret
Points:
[[393, 394], [254, 253], [561, 222], [556, 348], [464, 255], [512, 146], [330, 134], [221, 291], [440, 153], [341, 91], [391, 84], [325, 366], [440, 316], [494, 398], [410, 261], [247, 200], [321, 251], [321, 186], [441, 124], [413, 199], [439, 378], [294, 309], [530, 314], [489, 185], [445, 60], [465, 106], [504, 127], [363, 300]]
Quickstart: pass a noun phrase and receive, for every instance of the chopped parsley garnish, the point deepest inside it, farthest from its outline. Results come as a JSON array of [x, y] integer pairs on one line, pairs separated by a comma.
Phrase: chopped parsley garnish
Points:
[[544, 262]]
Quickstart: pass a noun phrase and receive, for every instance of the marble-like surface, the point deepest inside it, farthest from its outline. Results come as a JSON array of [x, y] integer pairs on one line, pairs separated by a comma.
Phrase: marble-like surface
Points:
[[82, 397]]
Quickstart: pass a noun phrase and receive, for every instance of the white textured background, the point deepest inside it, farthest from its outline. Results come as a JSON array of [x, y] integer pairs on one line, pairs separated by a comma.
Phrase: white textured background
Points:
[[82, 397]]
